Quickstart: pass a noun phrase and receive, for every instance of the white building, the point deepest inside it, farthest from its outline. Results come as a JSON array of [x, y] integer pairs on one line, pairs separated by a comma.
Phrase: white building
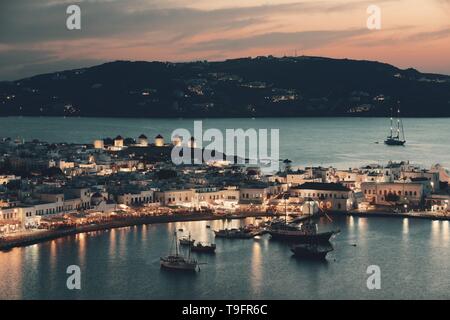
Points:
[[99, 144], [142, 140], [330, 196], [137, 198], [159, 141], [389, 193]]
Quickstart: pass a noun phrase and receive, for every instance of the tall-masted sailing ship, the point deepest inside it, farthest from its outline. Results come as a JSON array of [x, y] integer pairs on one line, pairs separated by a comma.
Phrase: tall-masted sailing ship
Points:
[[396, 136], [307, 232]]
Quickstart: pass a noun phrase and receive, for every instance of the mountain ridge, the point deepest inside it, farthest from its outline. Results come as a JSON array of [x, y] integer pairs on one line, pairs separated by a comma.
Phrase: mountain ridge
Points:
[[264, 86]]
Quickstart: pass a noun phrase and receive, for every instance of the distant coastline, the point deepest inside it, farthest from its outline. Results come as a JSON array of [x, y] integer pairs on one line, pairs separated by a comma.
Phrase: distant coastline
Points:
[[264, 86]]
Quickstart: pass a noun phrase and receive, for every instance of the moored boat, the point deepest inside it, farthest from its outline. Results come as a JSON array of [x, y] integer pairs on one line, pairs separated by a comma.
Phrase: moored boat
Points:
[[307, 232], [204, 248], [186, 241], [311, 251], [175, 261], [397, 138], [234, 234]]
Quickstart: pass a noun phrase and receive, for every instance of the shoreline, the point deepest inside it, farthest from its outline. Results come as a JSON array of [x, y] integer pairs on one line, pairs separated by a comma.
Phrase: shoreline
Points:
[[47, 235], [413, 215]]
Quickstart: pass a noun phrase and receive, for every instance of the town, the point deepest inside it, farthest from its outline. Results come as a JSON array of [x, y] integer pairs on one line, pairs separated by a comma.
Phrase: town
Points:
[[46, 188]]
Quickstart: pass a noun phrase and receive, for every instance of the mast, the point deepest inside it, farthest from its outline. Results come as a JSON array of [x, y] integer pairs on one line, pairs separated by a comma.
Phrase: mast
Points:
[[403, 132], [285, 208], [391, 124], [398, 124], [189, 252], [176, 243]]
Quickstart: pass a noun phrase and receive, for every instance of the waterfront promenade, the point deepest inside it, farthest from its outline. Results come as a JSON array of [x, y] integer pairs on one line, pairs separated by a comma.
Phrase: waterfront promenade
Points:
[[26, 238], [410, 214], [36, 236]]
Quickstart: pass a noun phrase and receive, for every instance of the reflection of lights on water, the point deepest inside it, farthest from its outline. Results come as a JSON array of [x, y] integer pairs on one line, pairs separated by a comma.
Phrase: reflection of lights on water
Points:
[[435, 228], [81, 237], [144, 233], [436, 232], [445, 232], [256, 277], [362, 224], [351, 221], [405, 225], [53, 254], [112, 242], [34, 248], [12, 266]]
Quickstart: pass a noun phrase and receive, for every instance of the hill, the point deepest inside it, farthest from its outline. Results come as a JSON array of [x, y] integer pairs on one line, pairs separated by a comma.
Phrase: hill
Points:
[[246, 87]]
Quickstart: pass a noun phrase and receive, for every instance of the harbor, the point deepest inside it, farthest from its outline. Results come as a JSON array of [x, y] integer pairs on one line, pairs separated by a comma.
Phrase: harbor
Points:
[[222, 159], [33, 237], [240, 268], [114, 212]]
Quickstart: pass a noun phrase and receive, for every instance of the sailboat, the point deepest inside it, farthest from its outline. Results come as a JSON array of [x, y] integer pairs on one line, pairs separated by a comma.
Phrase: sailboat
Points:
[[175, 261], [396, 139], [307, 232]]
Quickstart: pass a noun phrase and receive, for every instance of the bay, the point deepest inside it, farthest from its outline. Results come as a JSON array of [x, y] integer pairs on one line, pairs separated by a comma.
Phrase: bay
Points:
[[341, 142]]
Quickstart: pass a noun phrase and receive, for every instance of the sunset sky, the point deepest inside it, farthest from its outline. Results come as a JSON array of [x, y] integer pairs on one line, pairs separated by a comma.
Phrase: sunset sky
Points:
[[34, 38]]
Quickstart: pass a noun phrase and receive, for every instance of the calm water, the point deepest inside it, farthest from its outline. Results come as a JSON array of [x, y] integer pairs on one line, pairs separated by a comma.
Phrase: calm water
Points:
[[343, 142], [414, 257]]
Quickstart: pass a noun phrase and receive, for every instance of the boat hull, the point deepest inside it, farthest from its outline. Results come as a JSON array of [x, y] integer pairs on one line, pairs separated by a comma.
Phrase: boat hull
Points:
[[234, 235], [393, 142], [203, 250], [305, 253], [301, 238], [191, 267]]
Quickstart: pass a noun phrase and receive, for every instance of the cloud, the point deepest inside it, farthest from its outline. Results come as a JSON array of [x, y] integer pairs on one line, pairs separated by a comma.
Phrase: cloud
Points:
[[395, 38], [431, 35], [176, 30], [303, 39], [39, 20], [16, 64]]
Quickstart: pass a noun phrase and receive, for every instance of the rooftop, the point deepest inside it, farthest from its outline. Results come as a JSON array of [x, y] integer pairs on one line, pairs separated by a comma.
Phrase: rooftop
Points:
[[323, 186]]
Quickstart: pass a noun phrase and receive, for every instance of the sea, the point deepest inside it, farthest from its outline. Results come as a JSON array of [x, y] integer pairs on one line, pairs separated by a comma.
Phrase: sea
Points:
[[411, 255]]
